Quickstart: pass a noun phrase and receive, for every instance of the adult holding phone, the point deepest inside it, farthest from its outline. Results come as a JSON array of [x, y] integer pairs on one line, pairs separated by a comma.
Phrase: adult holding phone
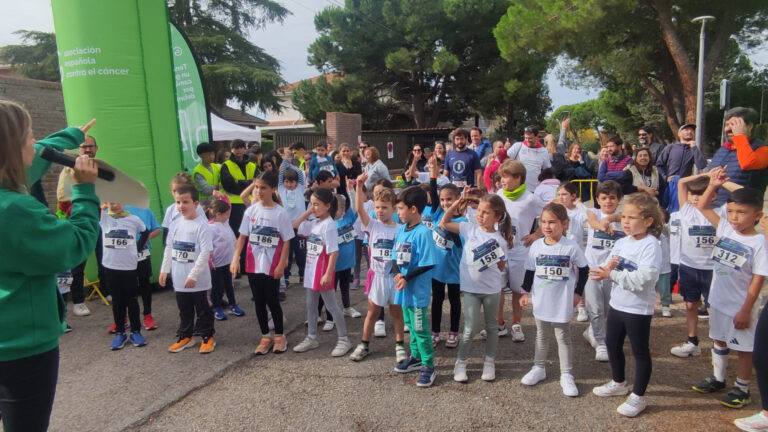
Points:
[[37, 247]]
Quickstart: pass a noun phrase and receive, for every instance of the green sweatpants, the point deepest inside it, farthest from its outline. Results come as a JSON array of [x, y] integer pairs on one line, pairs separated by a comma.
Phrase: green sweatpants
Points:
[[421, 340]]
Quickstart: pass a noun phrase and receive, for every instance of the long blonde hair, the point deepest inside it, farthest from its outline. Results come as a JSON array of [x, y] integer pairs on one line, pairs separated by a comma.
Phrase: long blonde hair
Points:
[[15, 124]]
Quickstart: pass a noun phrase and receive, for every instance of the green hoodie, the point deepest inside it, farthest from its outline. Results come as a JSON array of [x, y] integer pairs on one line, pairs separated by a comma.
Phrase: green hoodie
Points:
[[36, 246]]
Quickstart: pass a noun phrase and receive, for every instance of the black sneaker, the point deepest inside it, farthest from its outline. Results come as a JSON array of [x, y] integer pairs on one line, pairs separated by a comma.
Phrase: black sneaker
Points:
[[281, 296], [703, 313], [709, 385], [736, 398]]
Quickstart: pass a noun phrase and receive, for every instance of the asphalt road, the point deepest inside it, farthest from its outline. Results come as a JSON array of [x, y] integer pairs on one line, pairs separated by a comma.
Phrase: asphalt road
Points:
[[150, 389]]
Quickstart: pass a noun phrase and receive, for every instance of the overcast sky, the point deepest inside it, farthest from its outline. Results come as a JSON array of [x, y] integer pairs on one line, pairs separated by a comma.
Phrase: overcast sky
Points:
[[287, 42]]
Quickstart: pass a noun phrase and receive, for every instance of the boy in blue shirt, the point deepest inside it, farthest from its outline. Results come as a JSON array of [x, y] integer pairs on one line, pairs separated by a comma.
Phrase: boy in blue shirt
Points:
[[415, 255], [321, 162]]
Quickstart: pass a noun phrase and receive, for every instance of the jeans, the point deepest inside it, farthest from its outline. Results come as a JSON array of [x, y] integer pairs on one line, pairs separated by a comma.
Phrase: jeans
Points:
[[27, 389], [665, 289], [472, 304]]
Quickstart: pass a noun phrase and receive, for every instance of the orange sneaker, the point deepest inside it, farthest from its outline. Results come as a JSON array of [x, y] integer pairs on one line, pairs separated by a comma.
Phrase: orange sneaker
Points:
[[281, 344], [207, 345], [181, 344], [264, 346]]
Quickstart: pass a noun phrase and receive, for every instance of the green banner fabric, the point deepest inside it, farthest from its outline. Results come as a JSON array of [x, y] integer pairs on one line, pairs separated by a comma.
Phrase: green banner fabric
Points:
[[116, 66], [190, 99]]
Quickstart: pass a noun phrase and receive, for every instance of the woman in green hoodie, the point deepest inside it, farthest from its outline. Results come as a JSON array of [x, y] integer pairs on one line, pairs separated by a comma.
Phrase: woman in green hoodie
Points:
[[36, 246]]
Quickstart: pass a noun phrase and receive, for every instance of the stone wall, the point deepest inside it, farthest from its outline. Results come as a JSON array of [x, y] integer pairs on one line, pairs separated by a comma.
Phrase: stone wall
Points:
[[44, 101]]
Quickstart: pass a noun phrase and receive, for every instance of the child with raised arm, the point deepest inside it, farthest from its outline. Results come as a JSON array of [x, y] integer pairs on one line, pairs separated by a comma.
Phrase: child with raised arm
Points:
[[379, 284], [633, 268], [740, 267], [290, 188], [483, 275], [187, 250], [556, 272]]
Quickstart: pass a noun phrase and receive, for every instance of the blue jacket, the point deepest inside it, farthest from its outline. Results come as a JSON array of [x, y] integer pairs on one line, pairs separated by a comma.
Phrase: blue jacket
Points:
[[678, 159]]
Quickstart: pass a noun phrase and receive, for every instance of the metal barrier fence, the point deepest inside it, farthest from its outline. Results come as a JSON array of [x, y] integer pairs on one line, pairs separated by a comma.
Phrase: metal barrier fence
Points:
[[585, 184]]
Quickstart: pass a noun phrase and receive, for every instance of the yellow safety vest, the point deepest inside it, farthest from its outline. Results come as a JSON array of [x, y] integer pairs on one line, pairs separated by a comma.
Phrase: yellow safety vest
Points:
[[212, 178], [237, 174]]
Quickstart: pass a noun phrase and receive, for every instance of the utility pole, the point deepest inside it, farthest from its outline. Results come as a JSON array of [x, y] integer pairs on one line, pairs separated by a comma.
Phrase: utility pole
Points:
[[700, 92]]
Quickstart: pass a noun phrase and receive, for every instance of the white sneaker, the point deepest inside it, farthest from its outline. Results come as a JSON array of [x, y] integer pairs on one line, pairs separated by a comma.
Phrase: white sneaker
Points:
[[601, 353], [328, 326], [306, 345], [666, 312], [400, 353], [503, 331], [517, 333], [80, 309], [489, 371], [534, 376], [351, 312], [379, 329], [569, 385], [685, 350], [342, 347], [460, 371], [611, 388], [756, 423], [406, 329], [359, 353], [590, 337], [633, 406], [582, 315]]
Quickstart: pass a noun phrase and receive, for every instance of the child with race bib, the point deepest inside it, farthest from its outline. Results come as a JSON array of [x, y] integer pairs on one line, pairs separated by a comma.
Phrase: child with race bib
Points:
[[124, 234], [379, 284], [223, 249], [415, 257], [482, 272], [268, 230], [187, 250], [568, 195], [740, 267], [556, 272], [633, 268], [320, 270]]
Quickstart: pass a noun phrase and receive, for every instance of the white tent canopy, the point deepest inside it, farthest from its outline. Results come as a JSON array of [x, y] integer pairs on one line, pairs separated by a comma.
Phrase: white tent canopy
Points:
[[223, 130]]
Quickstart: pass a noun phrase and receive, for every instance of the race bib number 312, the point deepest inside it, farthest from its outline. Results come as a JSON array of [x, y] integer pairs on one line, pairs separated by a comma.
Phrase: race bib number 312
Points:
[[731, 253]]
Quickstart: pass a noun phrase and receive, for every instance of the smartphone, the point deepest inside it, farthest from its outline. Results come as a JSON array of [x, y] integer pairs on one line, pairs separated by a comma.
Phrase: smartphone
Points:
[[566, 114]]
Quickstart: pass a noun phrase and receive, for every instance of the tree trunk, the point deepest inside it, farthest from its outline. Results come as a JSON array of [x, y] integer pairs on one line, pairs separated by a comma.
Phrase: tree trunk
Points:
[[417, 101], [666, 103]]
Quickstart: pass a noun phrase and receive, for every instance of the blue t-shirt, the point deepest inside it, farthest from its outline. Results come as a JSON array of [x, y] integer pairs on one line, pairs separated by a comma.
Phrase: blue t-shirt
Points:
[[346, 231], [450, 247], [318, 164], [430, 218], [413, 249], [147, 217], [461, 166]]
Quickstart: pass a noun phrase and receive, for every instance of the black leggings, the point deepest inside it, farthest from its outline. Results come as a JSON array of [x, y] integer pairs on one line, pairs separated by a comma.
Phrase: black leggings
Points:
[[638, 328], [194, 304], [27, 389], [265, 292], [438, 296], [235, 217], [343, 279], [222, 283], [124, 291], [760, 356], [144, 272]]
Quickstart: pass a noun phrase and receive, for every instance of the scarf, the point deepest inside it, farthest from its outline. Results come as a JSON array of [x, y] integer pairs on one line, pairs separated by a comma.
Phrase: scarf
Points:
[[514, 194], [729, 145], [535, 145]]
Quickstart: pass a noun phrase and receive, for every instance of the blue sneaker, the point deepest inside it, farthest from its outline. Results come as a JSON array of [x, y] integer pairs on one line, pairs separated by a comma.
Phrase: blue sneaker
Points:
[[408, 365], [137, 339], [219, 314], [118, 342], [427, 376], [235, 310]]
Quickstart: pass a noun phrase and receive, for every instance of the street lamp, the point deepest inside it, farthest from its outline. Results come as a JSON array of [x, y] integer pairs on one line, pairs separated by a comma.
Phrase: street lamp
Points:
[[700, 90]]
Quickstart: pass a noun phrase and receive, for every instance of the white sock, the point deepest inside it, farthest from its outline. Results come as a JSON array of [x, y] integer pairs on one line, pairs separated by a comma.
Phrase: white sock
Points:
[[719, 361], [344, 338], [743, 385]]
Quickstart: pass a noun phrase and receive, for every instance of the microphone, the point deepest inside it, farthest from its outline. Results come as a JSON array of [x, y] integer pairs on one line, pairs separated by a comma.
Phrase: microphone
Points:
[[60, 158]]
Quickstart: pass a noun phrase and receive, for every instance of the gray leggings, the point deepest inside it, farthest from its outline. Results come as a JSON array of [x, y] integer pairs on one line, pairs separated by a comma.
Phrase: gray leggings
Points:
[[562, 335], [598, 296], [313, 299], [490, 304]]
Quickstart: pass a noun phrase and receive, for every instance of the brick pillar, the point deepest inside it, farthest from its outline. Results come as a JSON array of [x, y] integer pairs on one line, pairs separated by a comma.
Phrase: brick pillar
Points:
[[343, 128]]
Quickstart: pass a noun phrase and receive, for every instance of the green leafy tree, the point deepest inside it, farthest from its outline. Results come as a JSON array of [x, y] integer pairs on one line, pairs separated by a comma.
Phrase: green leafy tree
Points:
[[36, 57], [232, 66]]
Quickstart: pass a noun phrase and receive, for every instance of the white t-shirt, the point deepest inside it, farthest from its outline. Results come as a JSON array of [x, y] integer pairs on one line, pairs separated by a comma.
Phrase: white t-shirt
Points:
[[523, 212], [534, 159], [697, 239], [576, 226], [293, 201], [674, 237], [633, 255], [172, 215], [267, 229], [600, 243], [322, 240], [665, 261], [471, 215], [223, 243], [736, 259], [119, 236], [188, 239], [381, 242], [556, 268], [478, 270]]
